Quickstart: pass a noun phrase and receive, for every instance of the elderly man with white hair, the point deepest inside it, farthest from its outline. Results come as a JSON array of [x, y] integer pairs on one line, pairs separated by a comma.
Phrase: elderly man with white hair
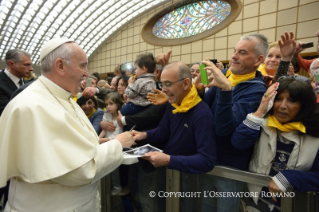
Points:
[[48, 146]]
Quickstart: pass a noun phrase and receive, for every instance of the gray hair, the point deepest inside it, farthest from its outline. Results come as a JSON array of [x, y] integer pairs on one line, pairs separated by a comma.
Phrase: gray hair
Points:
[[183, 70], [15, 55], [262, 46], [159, 67], [64, 51], [190, 66]]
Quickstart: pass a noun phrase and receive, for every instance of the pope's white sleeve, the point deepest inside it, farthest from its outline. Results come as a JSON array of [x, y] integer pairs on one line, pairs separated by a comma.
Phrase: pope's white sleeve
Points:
[[108, 157]]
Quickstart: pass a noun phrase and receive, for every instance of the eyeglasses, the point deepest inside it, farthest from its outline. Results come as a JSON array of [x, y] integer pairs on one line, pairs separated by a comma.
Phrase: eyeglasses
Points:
[[297, 77], [169, 84]]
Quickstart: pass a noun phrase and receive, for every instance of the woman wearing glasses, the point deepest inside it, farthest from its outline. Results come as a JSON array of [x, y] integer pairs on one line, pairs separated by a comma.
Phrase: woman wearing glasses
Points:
[[286, 139]]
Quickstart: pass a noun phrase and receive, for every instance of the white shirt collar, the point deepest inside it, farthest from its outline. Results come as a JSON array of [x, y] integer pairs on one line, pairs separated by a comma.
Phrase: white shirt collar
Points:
[[13, 78]]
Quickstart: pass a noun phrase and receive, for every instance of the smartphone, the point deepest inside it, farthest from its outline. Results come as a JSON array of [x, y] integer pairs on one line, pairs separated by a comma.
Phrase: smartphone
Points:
[[203, 74], [88, 82], [213, 61], [307, 45]]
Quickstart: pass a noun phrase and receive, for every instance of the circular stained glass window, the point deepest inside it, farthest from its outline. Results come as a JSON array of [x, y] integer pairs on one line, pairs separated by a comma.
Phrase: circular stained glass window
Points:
[[191, 19], [186, 22]]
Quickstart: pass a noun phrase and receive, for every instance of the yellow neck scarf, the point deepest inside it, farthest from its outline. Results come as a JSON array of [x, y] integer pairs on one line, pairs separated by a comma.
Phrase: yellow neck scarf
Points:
[[235, 79], [262, 69], [190, 101], [273, 122], [93, 111]]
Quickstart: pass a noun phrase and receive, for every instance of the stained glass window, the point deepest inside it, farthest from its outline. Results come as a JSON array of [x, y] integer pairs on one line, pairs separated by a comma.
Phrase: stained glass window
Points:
[[191, 19]]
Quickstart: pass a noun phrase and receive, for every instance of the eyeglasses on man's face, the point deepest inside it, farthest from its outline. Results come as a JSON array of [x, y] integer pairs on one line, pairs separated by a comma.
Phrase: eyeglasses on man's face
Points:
[[169, 84]]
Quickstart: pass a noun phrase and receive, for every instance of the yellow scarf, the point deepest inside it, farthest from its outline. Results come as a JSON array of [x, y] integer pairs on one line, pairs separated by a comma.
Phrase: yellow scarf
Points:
[[75, 97], [262, 69], [273, 122], [190, 101], [235, 79], [93, 111]]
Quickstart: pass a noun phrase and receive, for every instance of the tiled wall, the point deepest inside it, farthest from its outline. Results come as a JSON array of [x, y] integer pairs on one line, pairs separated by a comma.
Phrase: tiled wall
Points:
[[269, 17]]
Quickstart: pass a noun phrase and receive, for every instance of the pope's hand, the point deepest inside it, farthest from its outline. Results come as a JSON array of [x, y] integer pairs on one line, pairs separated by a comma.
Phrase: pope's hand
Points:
[[126, 139]]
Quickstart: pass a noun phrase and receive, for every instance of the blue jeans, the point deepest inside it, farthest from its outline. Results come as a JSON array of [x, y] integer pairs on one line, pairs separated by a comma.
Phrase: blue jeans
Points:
[[210, 184]]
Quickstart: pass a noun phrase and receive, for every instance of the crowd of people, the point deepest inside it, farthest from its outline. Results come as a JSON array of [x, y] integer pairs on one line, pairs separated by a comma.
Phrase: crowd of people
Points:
[[65, 130]]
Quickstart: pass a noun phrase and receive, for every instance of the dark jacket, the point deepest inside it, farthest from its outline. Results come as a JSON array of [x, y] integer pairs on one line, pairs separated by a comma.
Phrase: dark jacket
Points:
[[229, 109]]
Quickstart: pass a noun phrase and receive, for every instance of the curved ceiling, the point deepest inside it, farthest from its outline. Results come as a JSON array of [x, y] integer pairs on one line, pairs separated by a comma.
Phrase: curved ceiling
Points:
[[27, 24]]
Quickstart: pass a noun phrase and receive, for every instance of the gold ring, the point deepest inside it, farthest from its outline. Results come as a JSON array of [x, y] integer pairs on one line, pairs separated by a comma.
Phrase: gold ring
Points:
[[265, 95]]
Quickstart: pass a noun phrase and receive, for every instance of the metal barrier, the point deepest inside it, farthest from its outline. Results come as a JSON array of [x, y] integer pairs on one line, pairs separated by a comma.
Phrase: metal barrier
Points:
[[306, 202]]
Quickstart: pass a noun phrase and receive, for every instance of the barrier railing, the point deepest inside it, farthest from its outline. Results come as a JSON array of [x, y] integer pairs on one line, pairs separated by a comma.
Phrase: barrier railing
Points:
[[306, 202]]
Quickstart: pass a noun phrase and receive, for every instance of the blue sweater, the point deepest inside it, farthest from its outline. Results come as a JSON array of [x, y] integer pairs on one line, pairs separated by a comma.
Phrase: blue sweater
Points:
[[95, 120], [229, 109], [189, 139]]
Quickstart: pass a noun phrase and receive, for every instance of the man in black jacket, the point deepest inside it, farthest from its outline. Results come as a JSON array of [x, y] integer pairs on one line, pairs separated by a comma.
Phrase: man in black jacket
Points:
[[19, 65]]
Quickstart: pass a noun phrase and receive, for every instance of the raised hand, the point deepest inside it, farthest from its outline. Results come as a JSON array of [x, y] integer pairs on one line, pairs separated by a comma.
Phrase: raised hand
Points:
[[216, 78], [157, 98], [267, 101], [163, 58], [287, 46]]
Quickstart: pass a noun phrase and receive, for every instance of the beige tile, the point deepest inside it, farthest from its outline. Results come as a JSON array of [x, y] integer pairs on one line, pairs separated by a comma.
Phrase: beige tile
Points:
[[136, 39], [286, 17], [235, 28], [108, 54], [251, 10], [129, 57], [175, 58], [158, 51], [149, 47], [233, 40], [270, 34], [285, 4], [130, 32], [113, 45], [113, 52], [108, 46], [196, 57], [306, 1], [151, 51], [118, 60], [221, 43], [129, 49], [208, 45], [249, 1], [212, 36], [209, 54], [137, 22], [118, 52], [267, 21], [197, 46], [108, 61], [281, 30], [124, 34], [240, 16], [123, 58], [144, 19], [143, 46], [166, 49], [250, 25], [129, 40], [118, 44], [307, 29], [268, 6], [309, 12], [124, 42], [123, 50], [136, 47], [113, 62], [186, 58], [221, 54], [230, 53], [186, 48], [221, 33], [176, 50], [137, 30]]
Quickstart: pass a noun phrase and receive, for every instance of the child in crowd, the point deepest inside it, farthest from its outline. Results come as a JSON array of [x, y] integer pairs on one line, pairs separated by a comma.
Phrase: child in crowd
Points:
[[138, 88], [113, 103]]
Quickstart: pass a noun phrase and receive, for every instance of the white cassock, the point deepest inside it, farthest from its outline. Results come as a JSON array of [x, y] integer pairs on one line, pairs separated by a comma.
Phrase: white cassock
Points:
[[50, 150]]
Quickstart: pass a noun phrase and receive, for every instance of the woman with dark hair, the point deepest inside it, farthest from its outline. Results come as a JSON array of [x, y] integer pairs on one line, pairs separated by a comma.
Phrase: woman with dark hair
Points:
[[294, 67], [121, 84], [287, 140], [94, 114]]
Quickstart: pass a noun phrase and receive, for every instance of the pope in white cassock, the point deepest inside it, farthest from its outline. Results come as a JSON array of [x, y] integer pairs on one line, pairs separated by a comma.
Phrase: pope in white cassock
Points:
[[48, 147]]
